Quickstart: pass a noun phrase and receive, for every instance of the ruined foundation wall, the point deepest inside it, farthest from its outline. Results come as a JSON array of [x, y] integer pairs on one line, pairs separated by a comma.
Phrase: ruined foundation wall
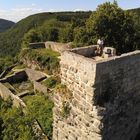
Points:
[[105, 103]]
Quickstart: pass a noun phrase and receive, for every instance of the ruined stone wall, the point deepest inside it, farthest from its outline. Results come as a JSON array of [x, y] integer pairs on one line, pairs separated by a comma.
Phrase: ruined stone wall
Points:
[[83, 122], [37, 45], [88, 51], [106, 98], [14, 78], [40, 87], [58, 47], [5, 93]]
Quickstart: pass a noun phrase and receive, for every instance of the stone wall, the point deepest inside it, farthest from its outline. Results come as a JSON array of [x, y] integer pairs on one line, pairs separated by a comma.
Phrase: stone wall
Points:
[[16, 77], [5, 93], [40, 87], [58, 47], [35, 75], [31, 63], [105, 103], [118, 91], [83, 123], [37, 45], [88, 51]]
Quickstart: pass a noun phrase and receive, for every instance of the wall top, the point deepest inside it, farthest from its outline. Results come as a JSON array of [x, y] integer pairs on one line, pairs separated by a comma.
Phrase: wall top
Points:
[[89, 53]]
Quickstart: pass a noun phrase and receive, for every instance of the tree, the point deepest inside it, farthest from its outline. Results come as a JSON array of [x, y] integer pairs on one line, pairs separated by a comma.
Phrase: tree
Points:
[[30, 37], [66, 34], [80, 36], [114, 25]]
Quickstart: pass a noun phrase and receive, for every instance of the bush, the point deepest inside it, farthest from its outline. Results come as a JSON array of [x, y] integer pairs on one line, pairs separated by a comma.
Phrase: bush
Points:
[[14, 124], [50, 82], [40, 108], [65, 109], [46, 58]]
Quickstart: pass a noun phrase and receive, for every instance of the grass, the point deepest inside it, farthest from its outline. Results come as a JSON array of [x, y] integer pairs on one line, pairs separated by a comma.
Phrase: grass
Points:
[[46, 58], [51, 82]]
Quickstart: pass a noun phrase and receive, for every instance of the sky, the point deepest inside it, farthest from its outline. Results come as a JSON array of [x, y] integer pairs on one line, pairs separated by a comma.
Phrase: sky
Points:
[[16, 10]]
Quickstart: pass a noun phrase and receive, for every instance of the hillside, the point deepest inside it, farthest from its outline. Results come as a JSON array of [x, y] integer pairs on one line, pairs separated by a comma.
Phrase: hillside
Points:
[[10, 41], [5, 24], [137, 13]]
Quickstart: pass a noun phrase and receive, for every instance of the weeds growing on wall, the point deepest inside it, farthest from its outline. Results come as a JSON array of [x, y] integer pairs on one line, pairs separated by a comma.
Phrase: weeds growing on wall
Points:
[[46, 59]]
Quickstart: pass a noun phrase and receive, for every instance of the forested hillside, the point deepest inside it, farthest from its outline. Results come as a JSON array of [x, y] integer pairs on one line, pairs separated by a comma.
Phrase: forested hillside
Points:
[[61, 26], [5, 24], [137, 16], [10, 41], [137, 11]]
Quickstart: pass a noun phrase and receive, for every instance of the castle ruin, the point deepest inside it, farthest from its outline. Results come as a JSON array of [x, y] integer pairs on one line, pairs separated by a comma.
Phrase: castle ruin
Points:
[[105, 102]]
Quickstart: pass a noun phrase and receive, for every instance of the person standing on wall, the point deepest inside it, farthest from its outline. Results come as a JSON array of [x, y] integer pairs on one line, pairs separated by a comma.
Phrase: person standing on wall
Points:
[[100, 42]]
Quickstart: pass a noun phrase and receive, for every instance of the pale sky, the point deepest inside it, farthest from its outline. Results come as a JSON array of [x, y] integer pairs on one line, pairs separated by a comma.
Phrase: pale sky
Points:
[[16, 10]]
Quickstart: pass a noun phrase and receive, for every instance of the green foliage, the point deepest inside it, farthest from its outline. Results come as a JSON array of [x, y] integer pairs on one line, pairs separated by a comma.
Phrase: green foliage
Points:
[[40, 108], [65, 109], [51, 30], [17, 125], [46, 58], [5, 63], [114, 25], [136, 18], [64, 91], [11, 40], [14, 123], [66, 34], [31, 36], [50, 82], [81, 37], [67, 26]]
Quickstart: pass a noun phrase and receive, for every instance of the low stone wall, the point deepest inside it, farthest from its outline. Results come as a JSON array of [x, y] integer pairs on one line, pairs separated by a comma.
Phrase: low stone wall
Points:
[[5, 93], [16, 77], [39, 87], [6, 71], [37, 45], [88, 51], [58, 47]]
